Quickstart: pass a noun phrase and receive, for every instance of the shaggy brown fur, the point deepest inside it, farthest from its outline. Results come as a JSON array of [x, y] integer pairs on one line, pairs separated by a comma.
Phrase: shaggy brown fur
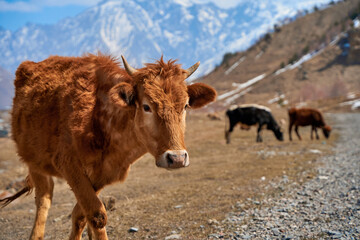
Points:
[[87, 120], [305, 117]]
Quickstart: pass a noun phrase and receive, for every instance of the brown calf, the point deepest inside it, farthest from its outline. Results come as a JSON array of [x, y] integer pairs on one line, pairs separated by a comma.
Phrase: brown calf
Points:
[[87, 120], [305, 117]]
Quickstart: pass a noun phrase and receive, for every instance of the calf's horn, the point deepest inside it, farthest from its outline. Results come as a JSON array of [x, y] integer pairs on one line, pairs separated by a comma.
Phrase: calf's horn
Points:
[[130, 70], [191, 69]]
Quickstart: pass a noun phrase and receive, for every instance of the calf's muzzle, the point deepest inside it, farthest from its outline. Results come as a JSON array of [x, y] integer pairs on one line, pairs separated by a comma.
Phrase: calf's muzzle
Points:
[[173, 159]]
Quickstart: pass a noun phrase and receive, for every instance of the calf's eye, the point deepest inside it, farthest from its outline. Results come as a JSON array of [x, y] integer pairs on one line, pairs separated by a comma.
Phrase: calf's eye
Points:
[[186, 106], [146, 108]]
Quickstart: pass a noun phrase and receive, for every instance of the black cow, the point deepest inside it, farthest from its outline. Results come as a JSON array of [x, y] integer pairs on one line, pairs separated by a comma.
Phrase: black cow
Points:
[[251, 114]]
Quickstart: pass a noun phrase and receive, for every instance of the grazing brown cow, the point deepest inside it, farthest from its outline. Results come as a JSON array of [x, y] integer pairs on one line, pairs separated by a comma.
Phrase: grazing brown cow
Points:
[[87, 120], [305, 117]]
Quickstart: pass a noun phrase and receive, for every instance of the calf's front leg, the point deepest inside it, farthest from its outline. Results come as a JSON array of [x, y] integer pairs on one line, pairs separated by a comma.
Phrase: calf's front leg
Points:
[[89, 206], [258, 137], [316, 133]]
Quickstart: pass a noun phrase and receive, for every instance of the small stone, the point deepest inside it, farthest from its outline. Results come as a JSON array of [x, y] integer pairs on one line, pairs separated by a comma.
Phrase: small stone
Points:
[[213, 221], [214, 235], [133, 229], [315, 151], [275, 231], [173, 236], [334, 233], [288, 238], [246, 237]]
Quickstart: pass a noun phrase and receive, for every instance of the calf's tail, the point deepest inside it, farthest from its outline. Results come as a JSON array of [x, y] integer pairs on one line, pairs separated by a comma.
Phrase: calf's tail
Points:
[[27, 189], [227, 120]]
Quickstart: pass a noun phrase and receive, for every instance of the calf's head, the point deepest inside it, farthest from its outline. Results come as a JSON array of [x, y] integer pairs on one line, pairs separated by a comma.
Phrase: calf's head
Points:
[[326, 130], [279, 134], [160, 98]]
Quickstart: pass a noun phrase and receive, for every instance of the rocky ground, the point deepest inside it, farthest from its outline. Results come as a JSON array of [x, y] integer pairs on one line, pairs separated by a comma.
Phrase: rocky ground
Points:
[[324, 207]]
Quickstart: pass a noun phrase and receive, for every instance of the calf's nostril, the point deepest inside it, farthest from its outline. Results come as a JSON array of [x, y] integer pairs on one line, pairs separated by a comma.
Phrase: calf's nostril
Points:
[[169, 159]]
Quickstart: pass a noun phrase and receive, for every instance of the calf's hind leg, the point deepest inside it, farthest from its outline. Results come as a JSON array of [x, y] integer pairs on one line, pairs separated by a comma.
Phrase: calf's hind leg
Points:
[[258, 137], [297, 132], [290, 128], [228, 133], [78, 223], [44, 186]]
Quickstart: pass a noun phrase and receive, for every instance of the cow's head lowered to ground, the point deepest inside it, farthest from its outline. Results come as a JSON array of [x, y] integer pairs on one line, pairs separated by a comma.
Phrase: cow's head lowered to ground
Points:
[[159, 97]]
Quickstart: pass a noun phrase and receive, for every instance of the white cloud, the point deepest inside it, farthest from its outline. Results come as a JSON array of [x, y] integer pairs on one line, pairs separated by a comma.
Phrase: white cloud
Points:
[[18, 7], [185, 3], [37, 5], [222, 4], [262, 3]]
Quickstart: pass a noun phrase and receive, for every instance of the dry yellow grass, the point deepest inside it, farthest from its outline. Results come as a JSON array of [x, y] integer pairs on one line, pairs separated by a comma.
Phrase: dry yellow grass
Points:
[[158, 201]]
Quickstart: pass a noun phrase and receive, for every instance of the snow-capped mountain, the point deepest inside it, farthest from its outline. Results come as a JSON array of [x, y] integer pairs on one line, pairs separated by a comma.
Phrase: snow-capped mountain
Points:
[[143, 30]]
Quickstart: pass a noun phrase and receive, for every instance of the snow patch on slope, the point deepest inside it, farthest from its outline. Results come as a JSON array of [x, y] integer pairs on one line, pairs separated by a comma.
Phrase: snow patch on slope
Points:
[[240, 87]]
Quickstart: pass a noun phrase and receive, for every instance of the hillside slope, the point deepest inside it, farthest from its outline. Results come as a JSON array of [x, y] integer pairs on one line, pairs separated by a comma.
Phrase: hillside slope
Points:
[[305, 60]]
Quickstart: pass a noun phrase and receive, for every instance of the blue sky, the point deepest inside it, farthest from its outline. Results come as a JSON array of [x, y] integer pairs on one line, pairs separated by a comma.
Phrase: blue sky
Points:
[[16, 13]]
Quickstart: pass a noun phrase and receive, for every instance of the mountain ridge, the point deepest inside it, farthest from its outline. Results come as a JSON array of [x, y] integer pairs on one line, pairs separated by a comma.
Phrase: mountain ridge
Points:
[[200, 27], [132, 28], [306, 60]]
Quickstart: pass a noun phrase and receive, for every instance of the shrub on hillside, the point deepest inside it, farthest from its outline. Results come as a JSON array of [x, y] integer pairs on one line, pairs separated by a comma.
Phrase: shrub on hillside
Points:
[[227, 57], [294, 58]]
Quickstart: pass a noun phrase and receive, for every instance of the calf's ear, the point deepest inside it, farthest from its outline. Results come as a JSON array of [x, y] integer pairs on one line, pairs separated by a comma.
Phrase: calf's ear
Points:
[[200, 94], [122, 94]]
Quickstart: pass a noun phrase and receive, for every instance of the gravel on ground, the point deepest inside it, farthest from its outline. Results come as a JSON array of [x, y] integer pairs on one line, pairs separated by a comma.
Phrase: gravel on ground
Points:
[[324, 207]]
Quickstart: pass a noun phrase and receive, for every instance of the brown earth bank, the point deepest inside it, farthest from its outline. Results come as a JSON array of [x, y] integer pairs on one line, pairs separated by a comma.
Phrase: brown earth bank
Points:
[[159, 202]]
